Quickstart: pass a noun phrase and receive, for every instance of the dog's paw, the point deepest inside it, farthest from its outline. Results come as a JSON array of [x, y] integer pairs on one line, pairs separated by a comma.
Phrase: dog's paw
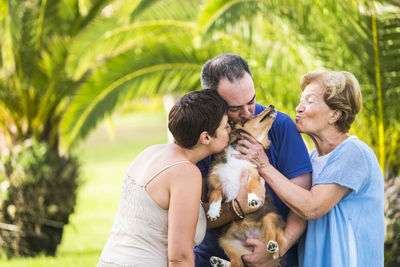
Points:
[[214, 210], [218, 262], [272, 246], [253, 201]]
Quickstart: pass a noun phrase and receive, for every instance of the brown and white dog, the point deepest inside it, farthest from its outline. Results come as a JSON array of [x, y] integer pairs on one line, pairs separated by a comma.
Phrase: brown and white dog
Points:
[[223, 185]]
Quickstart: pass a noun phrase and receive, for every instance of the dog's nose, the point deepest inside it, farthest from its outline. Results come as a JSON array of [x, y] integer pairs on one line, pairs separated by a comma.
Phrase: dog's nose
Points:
[[271, 106]]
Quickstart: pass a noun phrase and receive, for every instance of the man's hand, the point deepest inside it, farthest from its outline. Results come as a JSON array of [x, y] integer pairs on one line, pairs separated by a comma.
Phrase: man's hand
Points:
[[260, 256], [251, 150]]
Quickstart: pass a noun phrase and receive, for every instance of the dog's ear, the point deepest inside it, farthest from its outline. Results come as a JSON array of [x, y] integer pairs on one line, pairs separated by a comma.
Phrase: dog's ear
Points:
[[204, 138]]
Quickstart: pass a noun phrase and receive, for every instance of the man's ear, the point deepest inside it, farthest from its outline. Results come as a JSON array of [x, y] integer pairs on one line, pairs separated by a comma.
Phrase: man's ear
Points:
[[334, 116], [205, 138]]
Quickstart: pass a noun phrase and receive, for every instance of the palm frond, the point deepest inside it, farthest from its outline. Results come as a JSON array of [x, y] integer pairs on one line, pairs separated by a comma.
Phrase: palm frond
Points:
[[95, 9], [388, 32], [157, 70], [106, 38], [221, 14], [28, 39], [6, 42], [60, 17], [181, 10], [140, 7], [109, 36], [389, 43]]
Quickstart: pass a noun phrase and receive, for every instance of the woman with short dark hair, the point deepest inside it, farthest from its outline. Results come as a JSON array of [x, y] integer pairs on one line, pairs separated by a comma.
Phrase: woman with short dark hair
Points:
[[160, 215]]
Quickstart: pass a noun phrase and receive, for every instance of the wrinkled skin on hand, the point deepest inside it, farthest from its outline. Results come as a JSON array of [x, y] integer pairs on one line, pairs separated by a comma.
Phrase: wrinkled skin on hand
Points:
[[260, 256], [252, 151]]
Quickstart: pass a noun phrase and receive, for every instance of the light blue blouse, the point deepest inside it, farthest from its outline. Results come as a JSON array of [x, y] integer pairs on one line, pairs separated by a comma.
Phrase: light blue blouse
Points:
[[352, 233]]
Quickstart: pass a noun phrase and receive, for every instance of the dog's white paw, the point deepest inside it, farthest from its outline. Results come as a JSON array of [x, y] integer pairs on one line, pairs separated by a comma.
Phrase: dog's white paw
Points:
[[272, 246], [253, 201], [214, 210], [218, 262]]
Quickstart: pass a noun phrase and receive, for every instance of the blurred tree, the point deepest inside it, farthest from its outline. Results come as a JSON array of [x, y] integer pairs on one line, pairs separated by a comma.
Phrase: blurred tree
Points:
[[281, 40], [38, 184], [161, 51], [359, 36]]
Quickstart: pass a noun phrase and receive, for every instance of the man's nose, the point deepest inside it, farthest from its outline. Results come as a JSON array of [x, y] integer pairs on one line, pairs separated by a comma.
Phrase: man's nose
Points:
[[245, 113]]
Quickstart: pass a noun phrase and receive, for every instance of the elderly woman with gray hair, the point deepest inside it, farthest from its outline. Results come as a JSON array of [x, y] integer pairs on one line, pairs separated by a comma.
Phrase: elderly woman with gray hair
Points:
[[344, 207]]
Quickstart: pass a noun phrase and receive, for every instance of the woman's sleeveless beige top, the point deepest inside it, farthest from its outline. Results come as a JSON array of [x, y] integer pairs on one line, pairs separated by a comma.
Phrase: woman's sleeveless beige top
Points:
[[140, 232]]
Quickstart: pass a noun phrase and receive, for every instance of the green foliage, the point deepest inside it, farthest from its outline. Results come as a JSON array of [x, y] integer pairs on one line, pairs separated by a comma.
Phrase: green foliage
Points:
[[122, 73], [35, 91], [156, 60], [392, 242], [104, 163], [38, 193]]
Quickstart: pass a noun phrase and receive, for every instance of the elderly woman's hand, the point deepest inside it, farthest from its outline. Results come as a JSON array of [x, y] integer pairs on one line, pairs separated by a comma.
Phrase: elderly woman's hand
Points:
[[252, 150]]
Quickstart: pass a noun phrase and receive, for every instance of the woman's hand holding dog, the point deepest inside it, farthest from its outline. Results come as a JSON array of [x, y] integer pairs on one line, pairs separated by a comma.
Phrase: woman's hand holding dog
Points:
[[252, 150]]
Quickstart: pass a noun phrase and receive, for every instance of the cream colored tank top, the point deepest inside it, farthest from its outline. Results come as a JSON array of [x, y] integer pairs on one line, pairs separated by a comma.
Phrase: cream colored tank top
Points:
[[140, 232]]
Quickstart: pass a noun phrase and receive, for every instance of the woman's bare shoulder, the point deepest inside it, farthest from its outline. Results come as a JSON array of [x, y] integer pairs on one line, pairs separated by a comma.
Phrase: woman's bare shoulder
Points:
[[187, 173]]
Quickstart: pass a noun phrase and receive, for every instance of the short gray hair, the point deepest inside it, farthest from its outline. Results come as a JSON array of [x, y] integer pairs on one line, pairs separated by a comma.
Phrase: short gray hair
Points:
[[224, 66], [341, 92]]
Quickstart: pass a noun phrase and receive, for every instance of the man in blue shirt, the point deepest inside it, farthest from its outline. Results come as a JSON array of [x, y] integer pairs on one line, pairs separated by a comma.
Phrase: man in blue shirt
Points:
[[230, 75]]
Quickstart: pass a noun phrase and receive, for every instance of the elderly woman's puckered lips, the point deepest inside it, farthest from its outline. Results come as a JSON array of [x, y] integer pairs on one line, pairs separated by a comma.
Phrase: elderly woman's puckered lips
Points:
[[298, 121], [298, 117]]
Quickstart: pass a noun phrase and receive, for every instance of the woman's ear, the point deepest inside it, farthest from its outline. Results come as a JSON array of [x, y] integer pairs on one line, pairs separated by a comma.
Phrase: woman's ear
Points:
[[334, 116], [204, 138]]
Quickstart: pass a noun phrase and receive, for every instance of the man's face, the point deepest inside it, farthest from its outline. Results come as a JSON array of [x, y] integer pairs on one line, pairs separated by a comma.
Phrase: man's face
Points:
[[240, 96]]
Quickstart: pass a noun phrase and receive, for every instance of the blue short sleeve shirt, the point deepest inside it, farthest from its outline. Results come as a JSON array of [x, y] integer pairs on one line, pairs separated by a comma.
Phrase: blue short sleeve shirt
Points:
[[352, 233]]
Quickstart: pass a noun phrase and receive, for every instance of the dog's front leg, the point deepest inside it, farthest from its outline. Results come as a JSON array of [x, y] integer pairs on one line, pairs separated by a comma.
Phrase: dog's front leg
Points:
[[255, 189], [215, 203]]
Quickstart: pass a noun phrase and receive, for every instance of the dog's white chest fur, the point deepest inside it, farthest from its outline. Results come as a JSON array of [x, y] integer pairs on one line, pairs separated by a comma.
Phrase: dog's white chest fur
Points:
[[229, 173]]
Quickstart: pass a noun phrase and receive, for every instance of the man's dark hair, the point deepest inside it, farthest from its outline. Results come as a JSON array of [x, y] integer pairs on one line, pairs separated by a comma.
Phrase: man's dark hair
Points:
[[194, 113], [225, 66]]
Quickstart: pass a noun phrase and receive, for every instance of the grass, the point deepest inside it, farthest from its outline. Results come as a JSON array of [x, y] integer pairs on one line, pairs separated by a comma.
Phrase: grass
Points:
[[103, 165]]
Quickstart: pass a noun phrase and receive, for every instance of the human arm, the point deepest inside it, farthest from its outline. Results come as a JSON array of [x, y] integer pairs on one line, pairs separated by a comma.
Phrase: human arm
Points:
[[294, 227], [225, 214], [183, 211], [307, 204]]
